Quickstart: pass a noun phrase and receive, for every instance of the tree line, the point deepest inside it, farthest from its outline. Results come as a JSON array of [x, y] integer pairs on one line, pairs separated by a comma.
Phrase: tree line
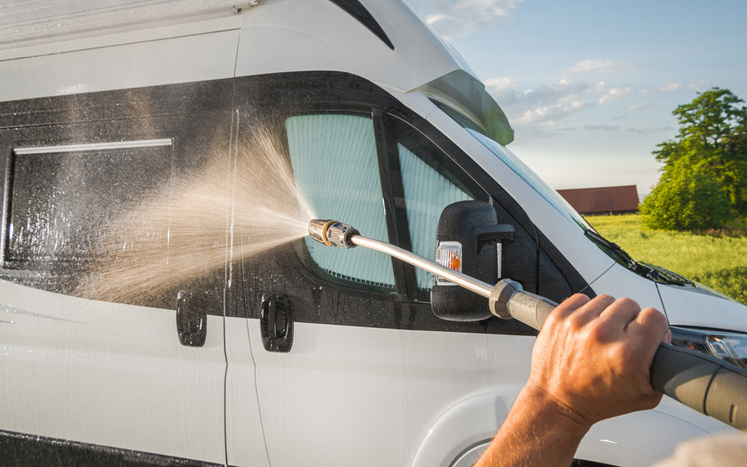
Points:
[[704, 178]]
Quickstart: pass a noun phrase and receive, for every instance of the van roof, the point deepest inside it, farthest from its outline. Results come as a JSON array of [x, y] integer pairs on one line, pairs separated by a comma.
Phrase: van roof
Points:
[[27, 23], [380, 40]]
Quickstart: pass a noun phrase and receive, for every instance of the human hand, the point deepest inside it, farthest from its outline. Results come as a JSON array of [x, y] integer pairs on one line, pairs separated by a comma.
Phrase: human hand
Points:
[[592, 357]]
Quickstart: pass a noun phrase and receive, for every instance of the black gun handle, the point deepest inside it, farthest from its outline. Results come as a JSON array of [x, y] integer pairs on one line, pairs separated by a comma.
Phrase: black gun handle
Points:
[[707, 384]]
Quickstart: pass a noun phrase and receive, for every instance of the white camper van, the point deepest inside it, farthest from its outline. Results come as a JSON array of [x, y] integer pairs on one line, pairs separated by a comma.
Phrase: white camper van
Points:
[[158, 300]]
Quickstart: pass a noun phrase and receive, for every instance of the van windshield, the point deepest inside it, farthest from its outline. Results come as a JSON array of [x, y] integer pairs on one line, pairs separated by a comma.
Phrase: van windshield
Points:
[[539, 185]]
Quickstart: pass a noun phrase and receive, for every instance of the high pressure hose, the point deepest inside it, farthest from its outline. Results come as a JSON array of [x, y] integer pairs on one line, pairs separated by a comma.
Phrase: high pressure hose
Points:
[[707, 384]]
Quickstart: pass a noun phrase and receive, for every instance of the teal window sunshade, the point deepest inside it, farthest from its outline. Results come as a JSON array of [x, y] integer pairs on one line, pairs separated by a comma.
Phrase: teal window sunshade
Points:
[[427, 193], [335, 165]]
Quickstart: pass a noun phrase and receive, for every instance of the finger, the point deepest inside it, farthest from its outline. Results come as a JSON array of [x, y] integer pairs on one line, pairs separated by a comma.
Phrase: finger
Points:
[[648, 330], [620, 313], [570, 305], [592, 310]]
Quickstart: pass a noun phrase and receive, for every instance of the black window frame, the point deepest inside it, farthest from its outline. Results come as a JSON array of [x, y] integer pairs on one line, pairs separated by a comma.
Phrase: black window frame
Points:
[[338, 92], [387, 121]]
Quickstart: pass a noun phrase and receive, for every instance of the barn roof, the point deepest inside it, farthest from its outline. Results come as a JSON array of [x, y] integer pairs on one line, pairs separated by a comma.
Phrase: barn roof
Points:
[[612, 199]]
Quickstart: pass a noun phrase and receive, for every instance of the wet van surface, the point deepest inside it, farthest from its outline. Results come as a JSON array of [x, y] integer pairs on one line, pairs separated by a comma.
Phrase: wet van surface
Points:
[[160, 299]]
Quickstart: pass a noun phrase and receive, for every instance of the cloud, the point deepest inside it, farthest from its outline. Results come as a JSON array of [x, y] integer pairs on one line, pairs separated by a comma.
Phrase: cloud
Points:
[[604, 128], [669, 87], [549, 104], [595, 66], [636, 107], [456, 19], [552, 104], [551, 115], [699, 85], [601, 66], [503, 89], [664, 130], [615, 94], [501, 84]]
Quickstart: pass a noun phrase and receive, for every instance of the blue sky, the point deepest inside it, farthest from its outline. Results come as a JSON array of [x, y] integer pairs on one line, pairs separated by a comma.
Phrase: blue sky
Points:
[[589, 86]]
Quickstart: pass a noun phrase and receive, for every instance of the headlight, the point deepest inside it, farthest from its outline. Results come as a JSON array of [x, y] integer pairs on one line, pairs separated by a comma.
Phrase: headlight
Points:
[[728, 346]]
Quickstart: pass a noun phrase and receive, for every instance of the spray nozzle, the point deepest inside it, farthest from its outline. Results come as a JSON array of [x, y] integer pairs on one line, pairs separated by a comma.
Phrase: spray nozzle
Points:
[[332, 233]]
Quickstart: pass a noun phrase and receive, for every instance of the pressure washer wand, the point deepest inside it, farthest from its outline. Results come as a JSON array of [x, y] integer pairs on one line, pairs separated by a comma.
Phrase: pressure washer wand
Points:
[[333, 233], [507, 299], [707, 384]]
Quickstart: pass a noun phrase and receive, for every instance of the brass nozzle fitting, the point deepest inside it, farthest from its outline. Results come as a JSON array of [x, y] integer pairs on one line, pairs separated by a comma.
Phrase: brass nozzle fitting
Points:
[[332, 233]]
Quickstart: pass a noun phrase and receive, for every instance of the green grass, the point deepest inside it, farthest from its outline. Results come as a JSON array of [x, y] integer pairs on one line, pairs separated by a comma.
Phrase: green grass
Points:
[[720, 262]]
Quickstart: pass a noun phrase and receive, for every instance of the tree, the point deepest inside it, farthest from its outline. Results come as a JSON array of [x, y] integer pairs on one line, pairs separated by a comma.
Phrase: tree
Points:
[[704, 180], [690, 198]]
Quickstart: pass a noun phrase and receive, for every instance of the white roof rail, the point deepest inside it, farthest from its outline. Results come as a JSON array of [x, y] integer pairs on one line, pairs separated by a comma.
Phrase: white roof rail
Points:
[[28, 23]]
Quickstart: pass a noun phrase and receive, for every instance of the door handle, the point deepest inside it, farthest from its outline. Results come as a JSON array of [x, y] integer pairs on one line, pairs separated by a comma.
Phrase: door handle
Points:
[[276, 323], [191, 319]]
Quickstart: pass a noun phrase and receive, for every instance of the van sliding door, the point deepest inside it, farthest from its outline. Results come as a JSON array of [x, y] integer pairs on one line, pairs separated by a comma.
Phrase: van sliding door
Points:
[[113, 281]]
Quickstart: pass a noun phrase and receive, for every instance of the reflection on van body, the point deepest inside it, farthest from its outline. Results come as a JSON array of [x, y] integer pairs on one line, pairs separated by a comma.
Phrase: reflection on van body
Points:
[[160, 302]]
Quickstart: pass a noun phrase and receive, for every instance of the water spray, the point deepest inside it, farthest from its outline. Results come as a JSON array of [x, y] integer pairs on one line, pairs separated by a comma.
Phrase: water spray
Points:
[[707, 384]]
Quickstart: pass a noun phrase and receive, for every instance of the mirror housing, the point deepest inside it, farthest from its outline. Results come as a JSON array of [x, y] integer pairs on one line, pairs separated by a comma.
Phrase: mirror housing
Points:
[[470, 240]]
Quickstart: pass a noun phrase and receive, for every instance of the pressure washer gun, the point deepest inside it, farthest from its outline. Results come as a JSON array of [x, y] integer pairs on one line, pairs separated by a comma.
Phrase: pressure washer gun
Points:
[[707, 384]]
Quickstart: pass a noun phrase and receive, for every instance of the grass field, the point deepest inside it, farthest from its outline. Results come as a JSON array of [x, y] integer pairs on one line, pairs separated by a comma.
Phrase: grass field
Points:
[[719, 262]]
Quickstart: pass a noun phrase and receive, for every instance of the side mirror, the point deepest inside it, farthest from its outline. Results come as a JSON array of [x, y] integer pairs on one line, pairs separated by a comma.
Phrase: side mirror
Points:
[[469, 240]]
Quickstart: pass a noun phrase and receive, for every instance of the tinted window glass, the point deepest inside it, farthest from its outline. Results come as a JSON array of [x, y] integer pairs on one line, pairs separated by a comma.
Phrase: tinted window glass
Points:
[[62, 197]]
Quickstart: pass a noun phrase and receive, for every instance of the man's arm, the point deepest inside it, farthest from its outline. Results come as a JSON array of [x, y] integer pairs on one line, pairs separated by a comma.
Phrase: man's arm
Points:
[[590, 362]]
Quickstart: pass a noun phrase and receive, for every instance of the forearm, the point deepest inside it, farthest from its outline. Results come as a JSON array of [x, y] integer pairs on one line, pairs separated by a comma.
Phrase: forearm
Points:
[[567, 393], [537, 432]]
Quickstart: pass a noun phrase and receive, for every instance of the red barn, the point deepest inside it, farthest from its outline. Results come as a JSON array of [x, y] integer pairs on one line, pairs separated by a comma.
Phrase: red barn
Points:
[[604, 200]]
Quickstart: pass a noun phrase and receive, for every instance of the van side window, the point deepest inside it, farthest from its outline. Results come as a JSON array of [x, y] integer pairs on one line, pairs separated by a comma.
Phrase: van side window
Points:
[[119, 195], [61, 197], [335, 165], [430, 184]]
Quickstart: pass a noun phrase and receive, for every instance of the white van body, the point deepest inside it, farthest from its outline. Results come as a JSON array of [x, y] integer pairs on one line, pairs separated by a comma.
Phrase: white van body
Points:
[[371, 377]]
